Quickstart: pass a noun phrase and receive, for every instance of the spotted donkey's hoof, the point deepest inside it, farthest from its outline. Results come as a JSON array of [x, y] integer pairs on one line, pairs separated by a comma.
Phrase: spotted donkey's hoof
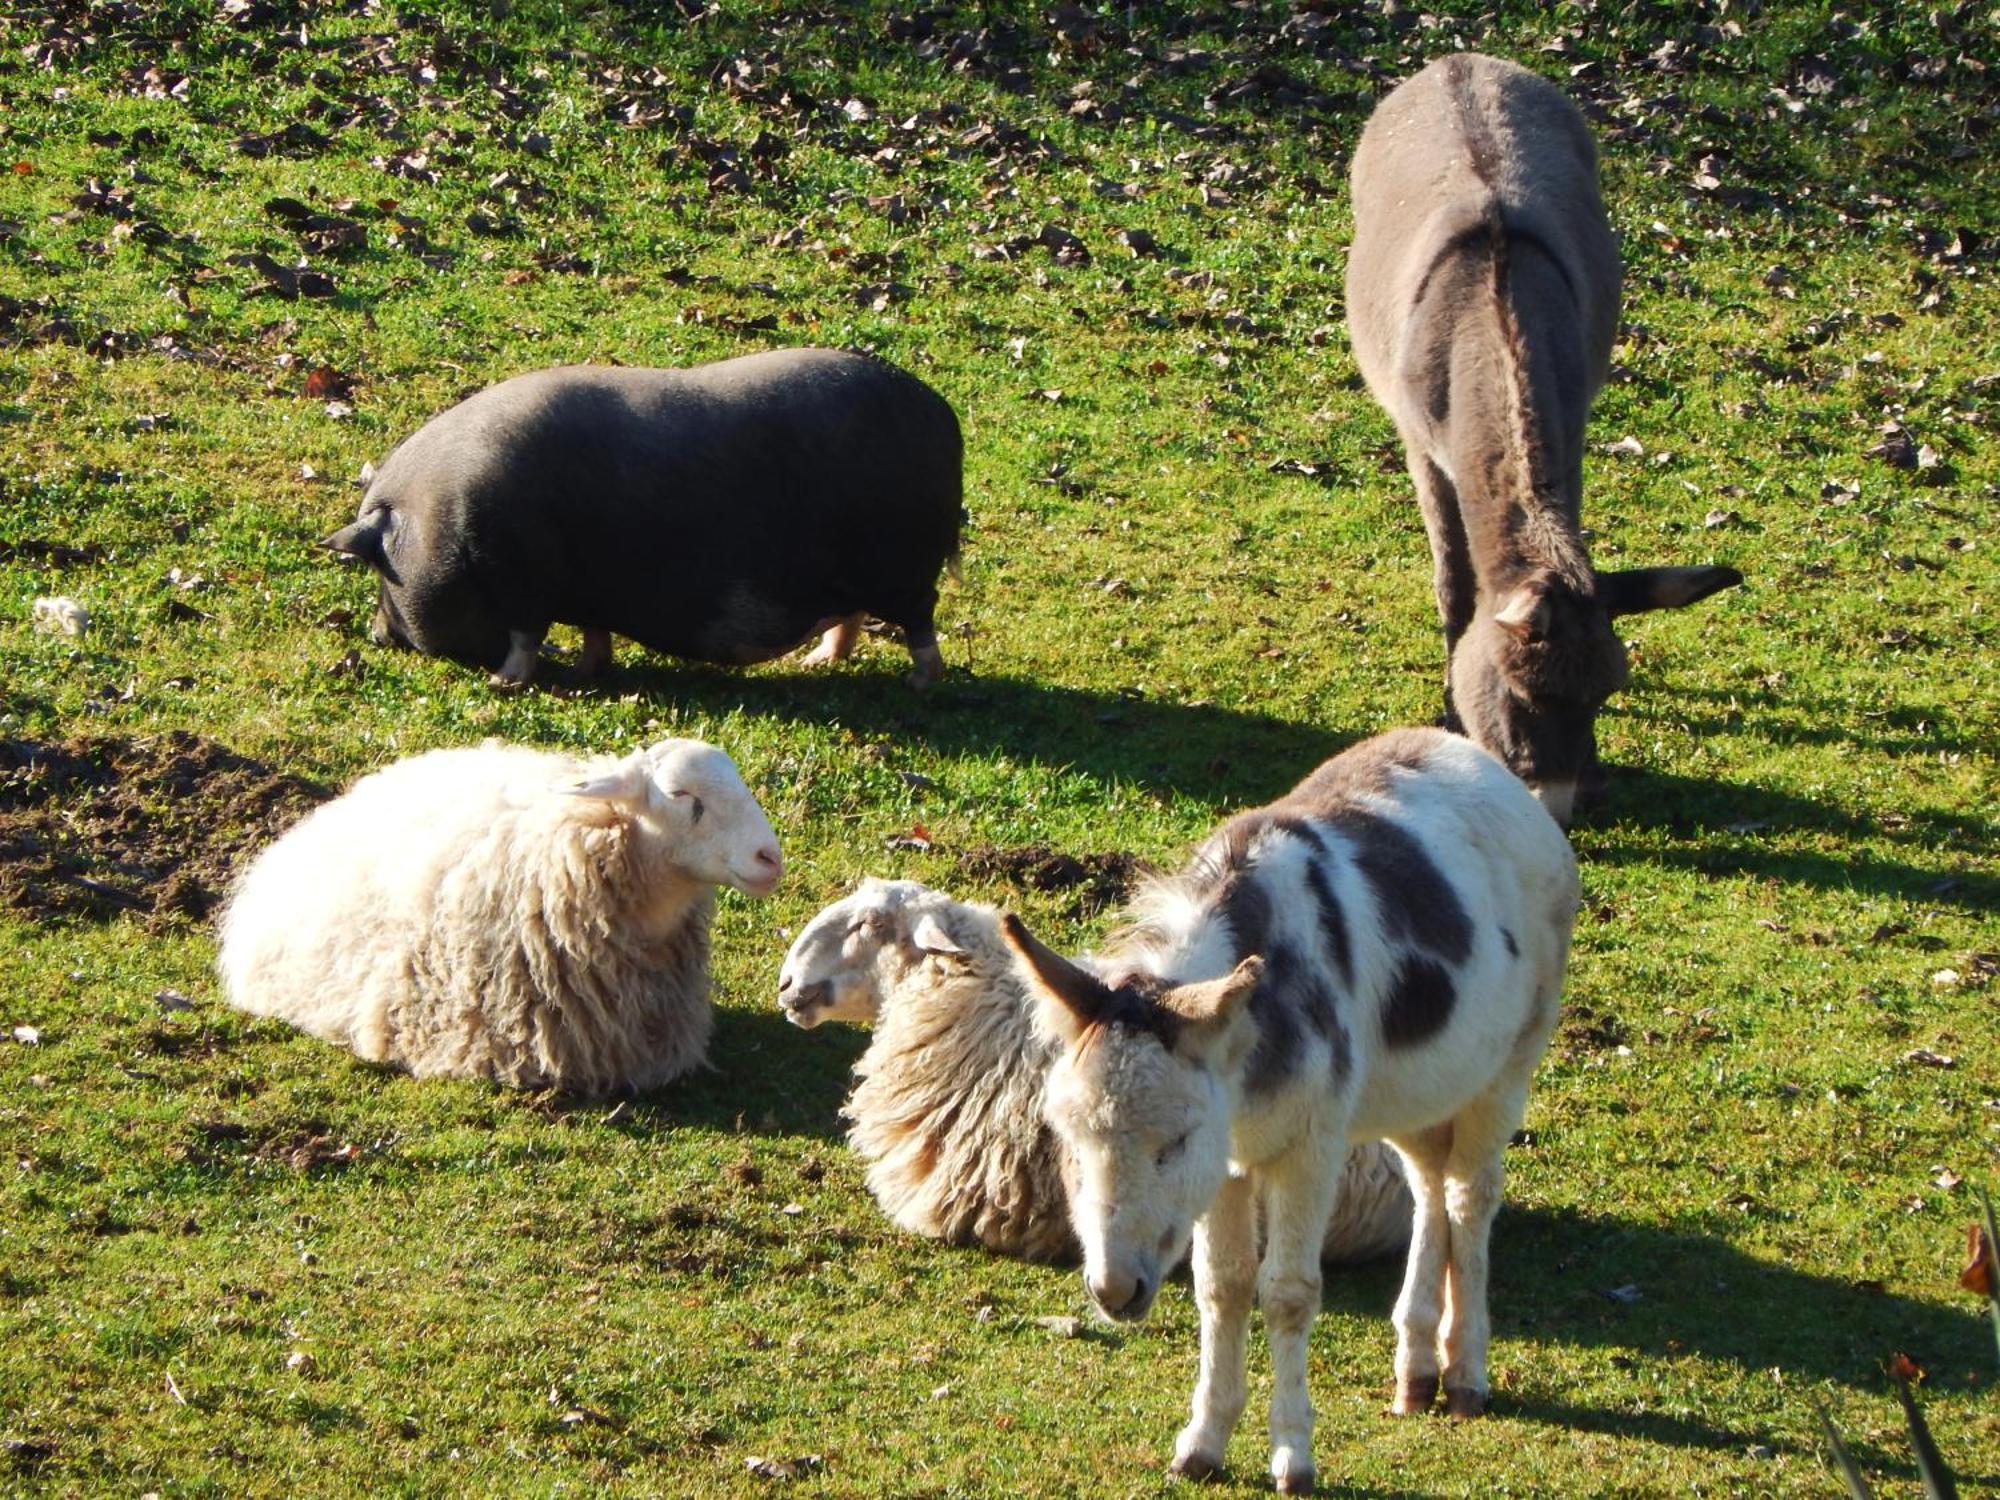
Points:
[[1195, 1466], [1463, 1403], [1414, 1394], [1295, 1482]]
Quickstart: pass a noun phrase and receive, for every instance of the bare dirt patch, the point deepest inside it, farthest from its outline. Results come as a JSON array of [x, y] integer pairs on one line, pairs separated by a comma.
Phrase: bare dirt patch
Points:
[[1091, 881], [157, 826]]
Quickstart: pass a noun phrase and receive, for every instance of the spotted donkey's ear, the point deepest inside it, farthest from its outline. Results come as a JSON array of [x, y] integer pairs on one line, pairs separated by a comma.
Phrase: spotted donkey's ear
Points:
[[1072, 998], [1212, 1002]]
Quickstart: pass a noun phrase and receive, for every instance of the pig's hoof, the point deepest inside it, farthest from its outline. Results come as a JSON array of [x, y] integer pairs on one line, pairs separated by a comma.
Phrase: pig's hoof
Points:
[[500, 682], [927, 666], [1414, 1393], [1463, 1403]]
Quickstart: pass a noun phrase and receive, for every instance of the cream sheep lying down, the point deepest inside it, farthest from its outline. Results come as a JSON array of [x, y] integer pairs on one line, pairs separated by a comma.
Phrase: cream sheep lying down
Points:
[[522, 915], [948, 1109]]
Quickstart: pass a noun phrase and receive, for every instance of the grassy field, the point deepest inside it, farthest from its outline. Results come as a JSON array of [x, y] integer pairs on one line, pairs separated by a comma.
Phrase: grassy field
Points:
[[245, 247]]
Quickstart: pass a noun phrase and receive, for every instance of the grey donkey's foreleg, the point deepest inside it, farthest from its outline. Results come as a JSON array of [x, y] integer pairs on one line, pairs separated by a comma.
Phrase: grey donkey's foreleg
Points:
[[1452, 577]]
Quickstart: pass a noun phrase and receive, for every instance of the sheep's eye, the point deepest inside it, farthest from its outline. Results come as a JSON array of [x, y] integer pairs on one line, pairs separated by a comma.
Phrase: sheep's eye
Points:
[[695, 809], [1171, 1150]]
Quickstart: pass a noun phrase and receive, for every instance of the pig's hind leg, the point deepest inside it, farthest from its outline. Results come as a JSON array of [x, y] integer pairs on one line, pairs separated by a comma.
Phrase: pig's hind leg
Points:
[[837, 643]]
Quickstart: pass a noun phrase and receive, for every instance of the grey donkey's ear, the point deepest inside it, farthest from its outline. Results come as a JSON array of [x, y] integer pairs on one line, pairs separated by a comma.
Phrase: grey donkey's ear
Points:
[[1525, 613], [1078, 997], [1635, 590], [363, 539]]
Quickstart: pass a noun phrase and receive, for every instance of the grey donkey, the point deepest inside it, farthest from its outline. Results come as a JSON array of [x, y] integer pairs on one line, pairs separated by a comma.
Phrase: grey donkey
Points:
[[1482, 299]]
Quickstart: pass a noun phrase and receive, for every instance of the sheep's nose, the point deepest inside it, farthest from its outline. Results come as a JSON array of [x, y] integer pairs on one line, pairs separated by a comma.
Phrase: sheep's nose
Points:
[[1119, 1296], [803, 1004], [772, 860]]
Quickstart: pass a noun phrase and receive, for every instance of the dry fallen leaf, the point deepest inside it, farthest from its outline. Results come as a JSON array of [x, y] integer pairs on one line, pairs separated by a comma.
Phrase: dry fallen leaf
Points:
[[782, 1468], [1981, 1273]]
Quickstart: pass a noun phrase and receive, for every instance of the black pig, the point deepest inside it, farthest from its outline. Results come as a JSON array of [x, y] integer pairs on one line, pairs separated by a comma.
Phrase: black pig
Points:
[[725, 513]]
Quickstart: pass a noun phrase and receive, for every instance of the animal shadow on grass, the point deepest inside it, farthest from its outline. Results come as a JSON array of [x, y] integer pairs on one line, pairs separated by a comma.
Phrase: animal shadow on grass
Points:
[[1783, 719], [764, 1077], [1216, 754], [1719, 827], [1656, 1294]]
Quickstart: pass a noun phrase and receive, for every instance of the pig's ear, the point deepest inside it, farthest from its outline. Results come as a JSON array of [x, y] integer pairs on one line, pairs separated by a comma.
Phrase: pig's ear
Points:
[[628, 780], [363, 540]]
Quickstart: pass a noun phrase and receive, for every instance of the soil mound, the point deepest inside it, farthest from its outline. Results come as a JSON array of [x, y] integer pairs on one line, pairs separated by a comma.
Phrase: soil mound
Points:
[[159, 825]]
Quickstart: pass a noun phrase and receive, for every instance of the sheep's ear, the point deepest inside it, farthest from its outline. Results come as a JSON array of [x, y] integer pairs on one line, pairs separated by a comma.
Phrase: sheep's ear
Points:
[[930, 937], [1071, 998], [1211, 1003], [1632, 591], [625, 781], [1525, 613]]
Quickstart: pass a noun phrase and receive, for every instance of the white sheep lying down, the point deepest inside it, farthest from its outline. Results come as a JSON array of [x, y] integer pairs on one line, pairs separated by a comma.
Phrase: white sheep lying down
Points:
[[527, 916], [948, 1108]]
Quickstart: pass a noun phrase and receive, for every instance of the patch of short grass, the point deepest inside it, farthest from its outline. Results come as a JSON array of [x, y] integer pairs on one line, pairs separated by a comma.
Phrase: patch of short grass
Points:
[[1192, 570]]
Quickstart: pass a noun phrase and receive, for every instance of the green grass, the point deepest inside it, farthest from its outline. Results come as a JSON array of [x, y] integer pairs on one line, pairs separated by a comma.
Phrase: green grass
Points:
[[506, 1294]]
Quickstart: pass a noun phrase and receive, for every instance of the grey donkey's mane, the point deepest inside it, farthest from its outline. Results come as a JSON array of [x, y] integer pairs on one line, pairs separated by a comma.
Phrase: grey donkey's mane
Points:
[[1542, 532]]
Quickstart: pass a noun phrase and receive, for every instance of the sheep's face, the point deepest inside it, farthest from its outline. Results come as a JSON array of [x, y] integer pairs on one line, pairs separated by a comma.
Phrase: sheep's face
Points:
[[1137, 1097], [691, 810], [838, 964]]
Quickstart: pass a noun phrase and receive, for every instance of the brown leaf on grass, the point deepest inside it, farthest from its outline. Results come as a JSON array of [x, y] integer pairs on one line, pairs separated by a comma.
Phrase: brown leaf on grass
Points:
[[323, 383], [288, 283], [1904, 1367], [1982, 1272], [295, 138]]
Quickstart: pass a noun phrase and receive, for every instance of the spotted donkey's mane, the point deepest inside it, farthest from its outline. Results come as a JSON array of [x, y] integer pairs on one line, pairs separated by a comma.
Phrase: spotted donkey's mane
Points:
[[1232, 878]]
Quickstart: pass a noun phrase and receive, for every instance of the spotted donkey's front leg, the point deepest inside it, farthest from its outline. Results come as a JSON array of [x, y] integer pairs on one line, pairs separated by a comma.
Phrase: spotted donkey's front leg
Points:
[[1300, 1191], [1225, 1276]]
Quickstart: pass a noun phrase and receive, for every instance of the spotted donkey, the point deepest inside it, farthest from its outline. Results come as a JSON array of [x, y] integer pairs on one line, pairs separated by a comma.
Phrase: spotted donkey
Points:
[[1482, 298], [1376, 955]]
